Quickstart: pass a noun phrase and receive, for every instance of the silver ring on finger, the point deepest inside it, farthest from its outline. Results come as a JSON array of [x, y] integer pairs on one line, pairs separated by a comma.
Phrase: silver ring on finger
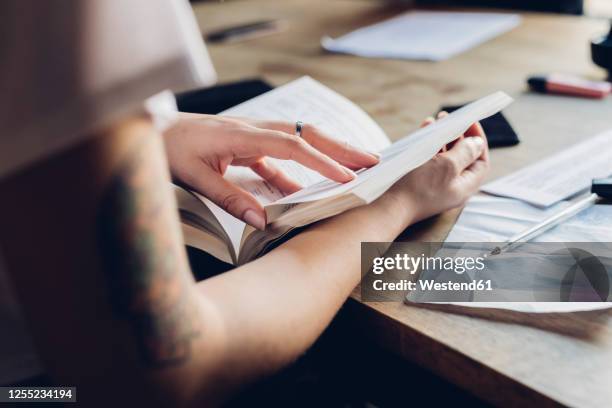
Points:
[[299, 125]]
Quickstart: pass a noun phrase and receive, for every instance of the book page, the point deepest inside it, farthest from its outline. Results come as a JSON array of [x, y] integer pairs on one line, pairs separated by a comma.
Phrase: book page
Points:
[[234, 227], [560, 176]]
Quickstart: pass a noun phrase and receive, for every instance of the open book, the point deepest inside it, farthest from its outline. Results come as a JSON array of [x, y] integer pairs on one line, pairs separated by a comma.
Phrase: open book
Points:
[[209, 228]]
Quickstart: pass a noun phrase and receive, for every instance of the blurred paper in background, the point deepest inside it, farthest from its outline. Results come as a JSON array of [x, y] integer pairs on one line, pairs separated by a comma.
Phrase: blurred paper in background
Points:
[[423, 35]]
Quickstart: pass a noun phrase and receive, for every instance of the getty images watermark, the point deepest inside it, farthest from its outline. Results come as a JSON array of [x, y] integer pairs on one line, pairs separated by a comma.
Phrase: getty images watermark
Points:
[[473, 272]]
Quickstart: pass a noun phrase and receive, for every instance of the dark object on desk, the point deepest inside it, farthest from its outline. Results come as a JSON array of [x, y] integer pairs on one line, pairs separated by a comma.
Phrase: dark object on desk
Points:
[[601, 52], [244, 31], [221, 97], [555, 6], [602, 187], [497, 128]]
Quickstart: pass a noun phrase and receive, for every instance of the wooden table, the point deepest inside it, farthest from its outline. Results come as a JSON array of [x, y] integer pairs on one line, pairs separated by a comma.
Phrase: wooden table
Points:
[[505, 358]]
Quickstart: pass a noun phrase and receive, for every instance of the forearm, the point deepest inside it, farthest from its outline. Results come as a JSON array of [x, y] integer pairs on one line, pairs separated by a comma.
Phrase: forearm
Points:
[[276, 306]]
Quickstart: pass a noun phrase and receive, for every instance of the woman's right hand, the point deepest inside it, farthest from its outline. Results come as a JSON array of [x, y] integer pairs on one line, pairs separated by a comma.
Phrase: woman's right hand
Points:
[[200, 148], [447, 180]]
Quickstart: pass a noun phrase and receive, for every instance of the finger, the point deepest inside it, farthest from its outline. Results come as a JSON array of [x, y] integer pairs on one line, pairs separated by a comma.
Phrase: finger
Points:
[[472, 177], [287, 147], [228, 196], [476, 130], [275, 176], [464, 153], [341, 151], [428, 121]]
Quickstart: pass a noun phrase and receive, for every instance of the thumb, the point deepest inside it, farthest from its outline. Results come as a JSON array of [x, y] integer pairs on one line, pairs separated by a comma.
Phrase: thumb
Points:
[[230, 197]]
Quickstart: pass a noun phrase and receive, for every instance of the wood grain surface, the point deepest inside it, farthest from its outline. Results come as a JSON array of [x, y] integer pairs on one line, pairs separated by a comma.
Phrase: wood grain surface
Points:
[[506, 358]]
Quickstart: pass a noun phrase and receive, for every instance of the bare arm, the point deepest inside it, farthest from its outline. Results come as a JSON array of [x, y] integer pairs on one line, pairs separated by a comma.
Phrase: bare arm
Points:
[[92, 241], [276, 306], [100, 267]]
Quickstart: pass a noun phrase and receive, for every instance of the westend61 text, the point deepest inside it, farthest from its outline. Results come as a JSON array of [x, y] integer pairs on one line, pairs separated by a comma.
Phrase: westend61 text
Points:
[[431, 285]]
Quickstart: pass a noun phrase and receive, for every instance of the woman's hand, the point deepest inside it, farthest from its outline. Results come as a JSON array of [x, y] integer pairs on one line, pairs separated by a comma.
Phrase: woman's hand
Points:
[[447, 180], [200, 147]]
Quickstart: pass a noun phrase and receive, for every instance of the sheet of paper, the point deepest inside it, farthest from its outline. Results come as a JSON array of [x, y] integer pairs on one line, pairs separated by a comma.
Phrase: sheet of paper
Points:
[[560, 176], [233, 226], [494, 219], [423, 35]]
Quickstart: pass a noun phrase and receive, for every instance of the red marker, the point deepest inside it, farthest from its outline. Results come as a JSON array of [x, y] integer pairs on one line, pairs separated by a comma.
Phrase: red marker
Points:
[[570, 85]]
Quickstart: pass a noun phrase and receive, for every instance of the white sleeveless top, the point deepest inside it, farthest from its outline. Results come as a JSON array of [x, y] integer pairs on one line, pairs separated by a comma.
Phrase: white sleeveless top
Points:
[[69, 67]]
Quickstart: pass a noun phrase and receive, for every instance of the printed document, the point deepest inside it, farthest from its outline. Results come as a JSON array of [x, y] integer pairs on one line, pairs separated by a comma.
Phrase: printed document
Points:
[[423, 35], [495, 219], [560, 176]]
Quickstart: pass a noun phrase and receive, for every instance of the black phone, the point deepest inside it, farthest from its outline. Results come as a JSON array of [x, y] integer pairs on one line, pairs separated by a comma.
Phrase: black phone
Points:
[[220, 97], [497, 128]]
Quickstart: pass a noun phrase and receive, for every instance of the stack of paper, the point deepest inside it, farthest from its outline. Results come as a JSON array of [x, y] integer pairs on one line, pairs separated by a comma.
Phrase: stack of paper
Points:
[[495, 219], [560, 176], [422, 35]]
